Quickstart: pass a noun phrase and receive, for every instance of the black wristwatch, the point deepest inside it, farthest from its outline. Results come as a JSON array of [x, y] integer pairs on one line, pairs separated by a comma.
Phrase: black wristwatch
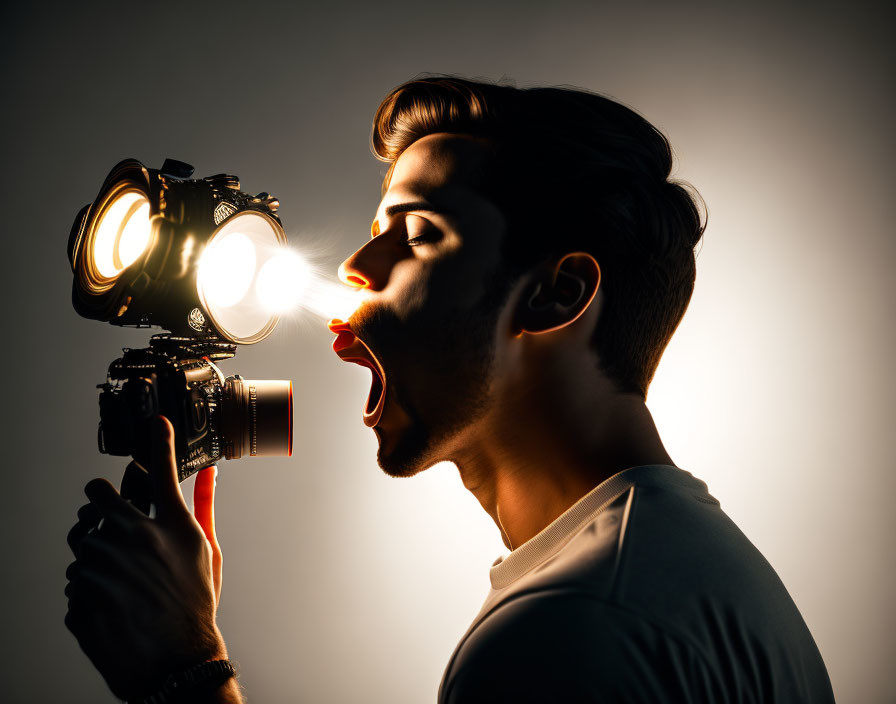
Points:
[[202, 678]]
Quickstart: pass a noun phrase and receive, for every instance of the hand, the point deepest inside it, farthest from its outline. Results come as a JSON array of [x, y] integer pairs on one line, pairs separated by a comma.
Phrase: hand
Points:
[[143, 592]]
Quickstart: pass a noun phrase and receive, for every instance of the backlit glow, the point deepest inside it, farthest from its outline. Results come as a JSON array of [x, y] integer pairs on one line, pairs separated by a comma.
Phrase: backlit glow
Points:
[[227, 268], [226, 279], [122, 235], [282, 282], [329, 299]]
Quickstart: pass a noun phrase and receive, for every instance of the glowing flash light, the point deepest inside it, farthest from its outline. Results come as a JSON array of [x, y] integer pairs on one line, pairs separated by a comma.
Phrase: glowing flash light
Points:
[[282, 282], [328, 299], [156, 247], [288, 283], [192, 256], [123, 232], [226, 269]]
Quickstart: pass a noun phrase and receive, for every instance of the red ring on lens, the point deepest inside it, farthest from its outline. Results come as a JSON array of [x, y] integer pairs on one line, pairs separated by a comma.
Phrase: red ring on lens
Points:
[[289, 446]]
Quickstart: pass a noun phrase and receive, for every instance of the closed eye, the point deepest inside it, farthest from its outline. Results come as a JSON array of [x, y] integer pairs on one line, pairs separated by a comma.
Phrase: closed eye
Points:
[[420, 231]]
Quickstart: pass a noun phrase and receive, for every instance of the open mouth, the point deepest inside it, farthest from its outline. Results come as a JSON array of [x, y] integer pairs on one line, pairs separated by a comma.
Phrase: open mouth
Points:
[[351, 348]]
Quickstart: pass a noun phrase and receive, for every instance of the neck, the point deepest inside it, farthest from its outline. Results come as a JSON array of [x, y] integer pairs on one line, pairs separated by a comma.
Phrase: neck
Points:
[[544, 446]]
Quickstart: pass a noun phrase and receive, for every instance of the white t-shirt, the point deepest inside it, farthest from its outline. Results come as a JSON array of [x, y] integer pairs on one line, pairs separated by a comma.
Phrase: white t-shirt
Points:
[[643, 591]]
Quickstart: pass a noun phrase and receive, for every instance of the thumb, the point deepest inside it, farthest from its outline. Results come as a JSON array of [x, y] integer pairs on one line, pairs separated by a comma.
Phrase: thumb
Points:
[[204, 511], [163, 470]]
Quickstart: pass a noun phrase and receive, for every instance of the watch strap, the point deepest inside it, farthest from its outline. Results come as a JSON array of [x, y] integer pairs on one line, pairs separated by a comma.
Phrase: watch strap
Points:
[[204, 677]]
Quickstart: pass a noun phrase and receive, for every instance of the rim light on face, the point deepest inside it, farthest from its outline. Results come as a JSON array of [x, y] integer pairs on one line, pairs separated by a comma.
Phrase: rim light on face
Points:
[[230, 264]]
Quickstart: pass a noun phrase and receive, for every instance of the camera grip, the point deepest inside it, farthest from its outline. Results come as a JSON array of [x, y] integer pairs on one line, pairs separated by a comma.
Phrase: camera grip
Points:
[[136, 487]]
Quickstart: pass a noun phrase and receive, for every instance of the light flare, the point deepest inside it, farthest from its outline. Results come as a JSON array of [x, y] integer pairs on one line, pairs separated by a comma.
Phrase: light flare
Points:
[[123, 234], [329, 299], [282, 281], [290, 282], [226, 269]]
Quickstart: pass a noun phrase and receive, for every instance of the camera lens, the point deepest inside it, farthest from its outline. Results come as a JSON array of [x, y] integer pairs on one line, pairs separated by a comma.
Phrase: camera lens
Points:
[[256, 417]]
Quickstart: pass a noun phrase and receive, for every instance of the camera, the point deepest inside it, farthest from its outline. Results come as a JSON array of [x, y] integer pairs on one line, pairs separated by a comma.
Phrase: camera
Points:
[[213, 417], [198, 258]]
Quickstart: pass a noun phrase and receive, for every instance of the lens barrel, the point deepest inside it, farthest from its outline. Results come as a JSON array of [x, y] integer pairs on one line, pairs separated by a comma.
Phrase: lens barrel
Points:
[[256, 418]]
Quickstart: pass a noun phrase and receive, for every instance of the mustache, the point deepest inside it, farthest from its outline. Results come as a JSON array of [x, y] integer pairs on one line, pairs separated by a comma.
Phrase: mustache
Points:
[[375, 324]]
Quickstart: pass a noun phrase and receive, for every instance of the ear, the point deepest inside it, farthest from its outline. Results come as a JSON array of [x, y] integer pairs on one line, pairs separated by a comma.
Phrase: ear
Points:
[[559, 296]]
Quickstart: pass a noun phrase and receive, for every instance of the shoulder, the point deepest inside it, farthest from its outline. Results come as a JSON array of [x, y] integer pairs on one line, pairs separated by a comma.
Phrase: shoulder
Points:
[[564, 645]]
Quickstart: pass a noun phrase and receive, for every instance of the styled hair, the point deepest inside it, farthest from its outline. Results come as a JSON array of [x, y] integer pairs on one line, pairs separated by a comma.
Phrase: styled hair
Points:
[[573, 171]]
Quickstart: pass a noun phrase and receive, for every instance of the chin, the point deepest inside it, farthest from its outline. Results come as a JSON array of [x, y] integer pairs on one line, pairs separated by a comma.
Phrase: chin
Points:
[[404, 455]]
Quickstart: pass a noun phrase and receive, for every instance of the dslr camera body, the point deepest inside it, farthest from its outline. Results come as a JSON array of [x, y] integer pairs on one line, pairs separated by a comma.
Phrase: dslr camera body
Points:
[[213, 417]]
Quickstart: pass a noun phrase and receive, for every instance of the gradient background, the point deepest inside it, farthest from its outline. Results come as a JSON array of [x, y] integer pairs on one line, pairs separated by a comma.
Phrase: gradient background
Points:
[[342, 585]]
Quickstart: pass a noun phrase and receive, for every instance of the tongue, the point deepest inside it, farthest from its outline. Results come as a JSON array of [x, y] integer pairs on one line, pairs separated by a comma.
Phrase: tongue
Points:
[[345, 338]]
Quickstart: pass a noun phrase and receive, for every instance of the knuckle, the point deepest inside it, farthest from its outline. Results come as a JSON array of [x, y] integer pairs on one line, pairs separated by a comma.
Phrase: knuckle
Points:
[[70, 621], [74, 536], [88, 546], [153, 540], [195, 539], [88, 513], [145, 535], [139, 530], [95, 486], [92, 549]]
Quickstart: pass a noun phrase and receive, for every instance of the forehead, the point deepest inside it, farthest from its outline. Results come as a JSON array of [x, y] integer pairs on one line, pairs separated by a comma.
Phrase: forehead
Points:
[[439, 168]]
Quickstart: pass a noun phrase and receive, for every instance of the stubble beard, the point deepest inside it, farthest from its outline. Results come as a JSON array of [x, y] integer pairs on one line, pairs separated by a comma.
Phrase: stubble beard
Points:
[[452, 358]]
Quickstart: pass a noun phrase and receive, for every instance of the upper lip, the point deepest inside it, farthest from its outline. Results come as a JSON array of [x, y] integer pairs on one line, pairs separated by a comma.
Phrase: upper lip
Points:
[[351, 348], [347, 344]]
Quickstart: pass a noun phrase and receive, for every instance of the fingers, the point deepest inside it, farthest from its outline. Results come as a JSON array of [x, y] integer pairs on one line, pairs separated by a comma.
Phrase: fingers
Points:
[[106, 506], [204, 511], [107, 500], [128, 560], [89, 518], [204, 500], [136, 487], [163, 471]]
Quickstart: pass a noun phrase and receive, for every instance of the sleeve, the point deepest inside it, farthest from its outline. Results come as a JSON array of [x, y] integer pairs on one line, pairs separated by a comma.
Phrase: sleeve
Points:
[[569, 647]]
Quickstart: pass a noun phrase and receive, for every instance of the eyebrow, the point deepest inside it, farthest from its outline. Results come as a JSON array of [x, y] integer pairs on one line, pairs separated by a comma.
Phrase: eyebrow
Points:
[[406, 207], [392, 210]]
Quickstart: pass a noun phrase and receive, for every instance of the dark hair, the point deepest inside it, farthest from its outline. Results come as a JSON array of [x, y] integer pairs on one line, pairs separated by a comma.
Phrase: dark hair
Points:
[[573, 170]]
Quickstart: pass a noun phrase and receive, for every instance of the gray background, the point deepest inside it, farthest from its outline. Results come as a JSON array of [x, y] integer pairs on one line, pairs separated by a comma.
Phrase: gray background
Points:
[[342, 585]]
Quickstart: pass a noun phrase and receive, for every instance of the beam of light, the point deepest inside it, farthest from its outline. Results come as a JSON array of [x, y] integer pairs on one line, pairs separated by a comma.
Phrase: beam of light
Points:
[[289, 282], [329, 299], [282, 281]]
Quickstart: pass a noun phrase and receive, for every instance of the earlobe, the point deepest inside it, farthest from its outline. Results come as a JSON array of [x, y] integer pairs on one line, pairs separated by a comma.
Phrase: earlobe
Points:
[[559, 296]]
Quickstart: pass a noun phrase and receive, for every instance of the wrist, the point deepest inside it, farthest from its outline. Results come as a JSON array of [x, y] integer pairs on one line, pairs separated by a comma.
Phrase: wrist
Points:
[[197, 683]]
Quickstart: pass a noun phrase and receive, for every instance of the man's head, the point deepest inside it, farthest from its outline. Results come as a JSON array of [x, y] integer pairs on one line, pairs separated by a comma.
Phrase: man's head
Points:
[[511, 212]]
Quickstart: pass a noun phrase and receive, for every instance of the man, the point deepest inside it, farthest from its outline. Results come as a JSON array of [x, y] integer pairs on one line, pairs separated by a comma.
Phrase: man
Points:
[[528, 264]]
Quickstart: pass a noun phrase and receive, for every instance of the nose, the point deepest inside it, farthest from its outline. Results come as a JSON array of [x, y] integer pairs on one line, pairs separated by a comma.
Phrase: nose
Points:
[[369, 267], [348, 275]]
